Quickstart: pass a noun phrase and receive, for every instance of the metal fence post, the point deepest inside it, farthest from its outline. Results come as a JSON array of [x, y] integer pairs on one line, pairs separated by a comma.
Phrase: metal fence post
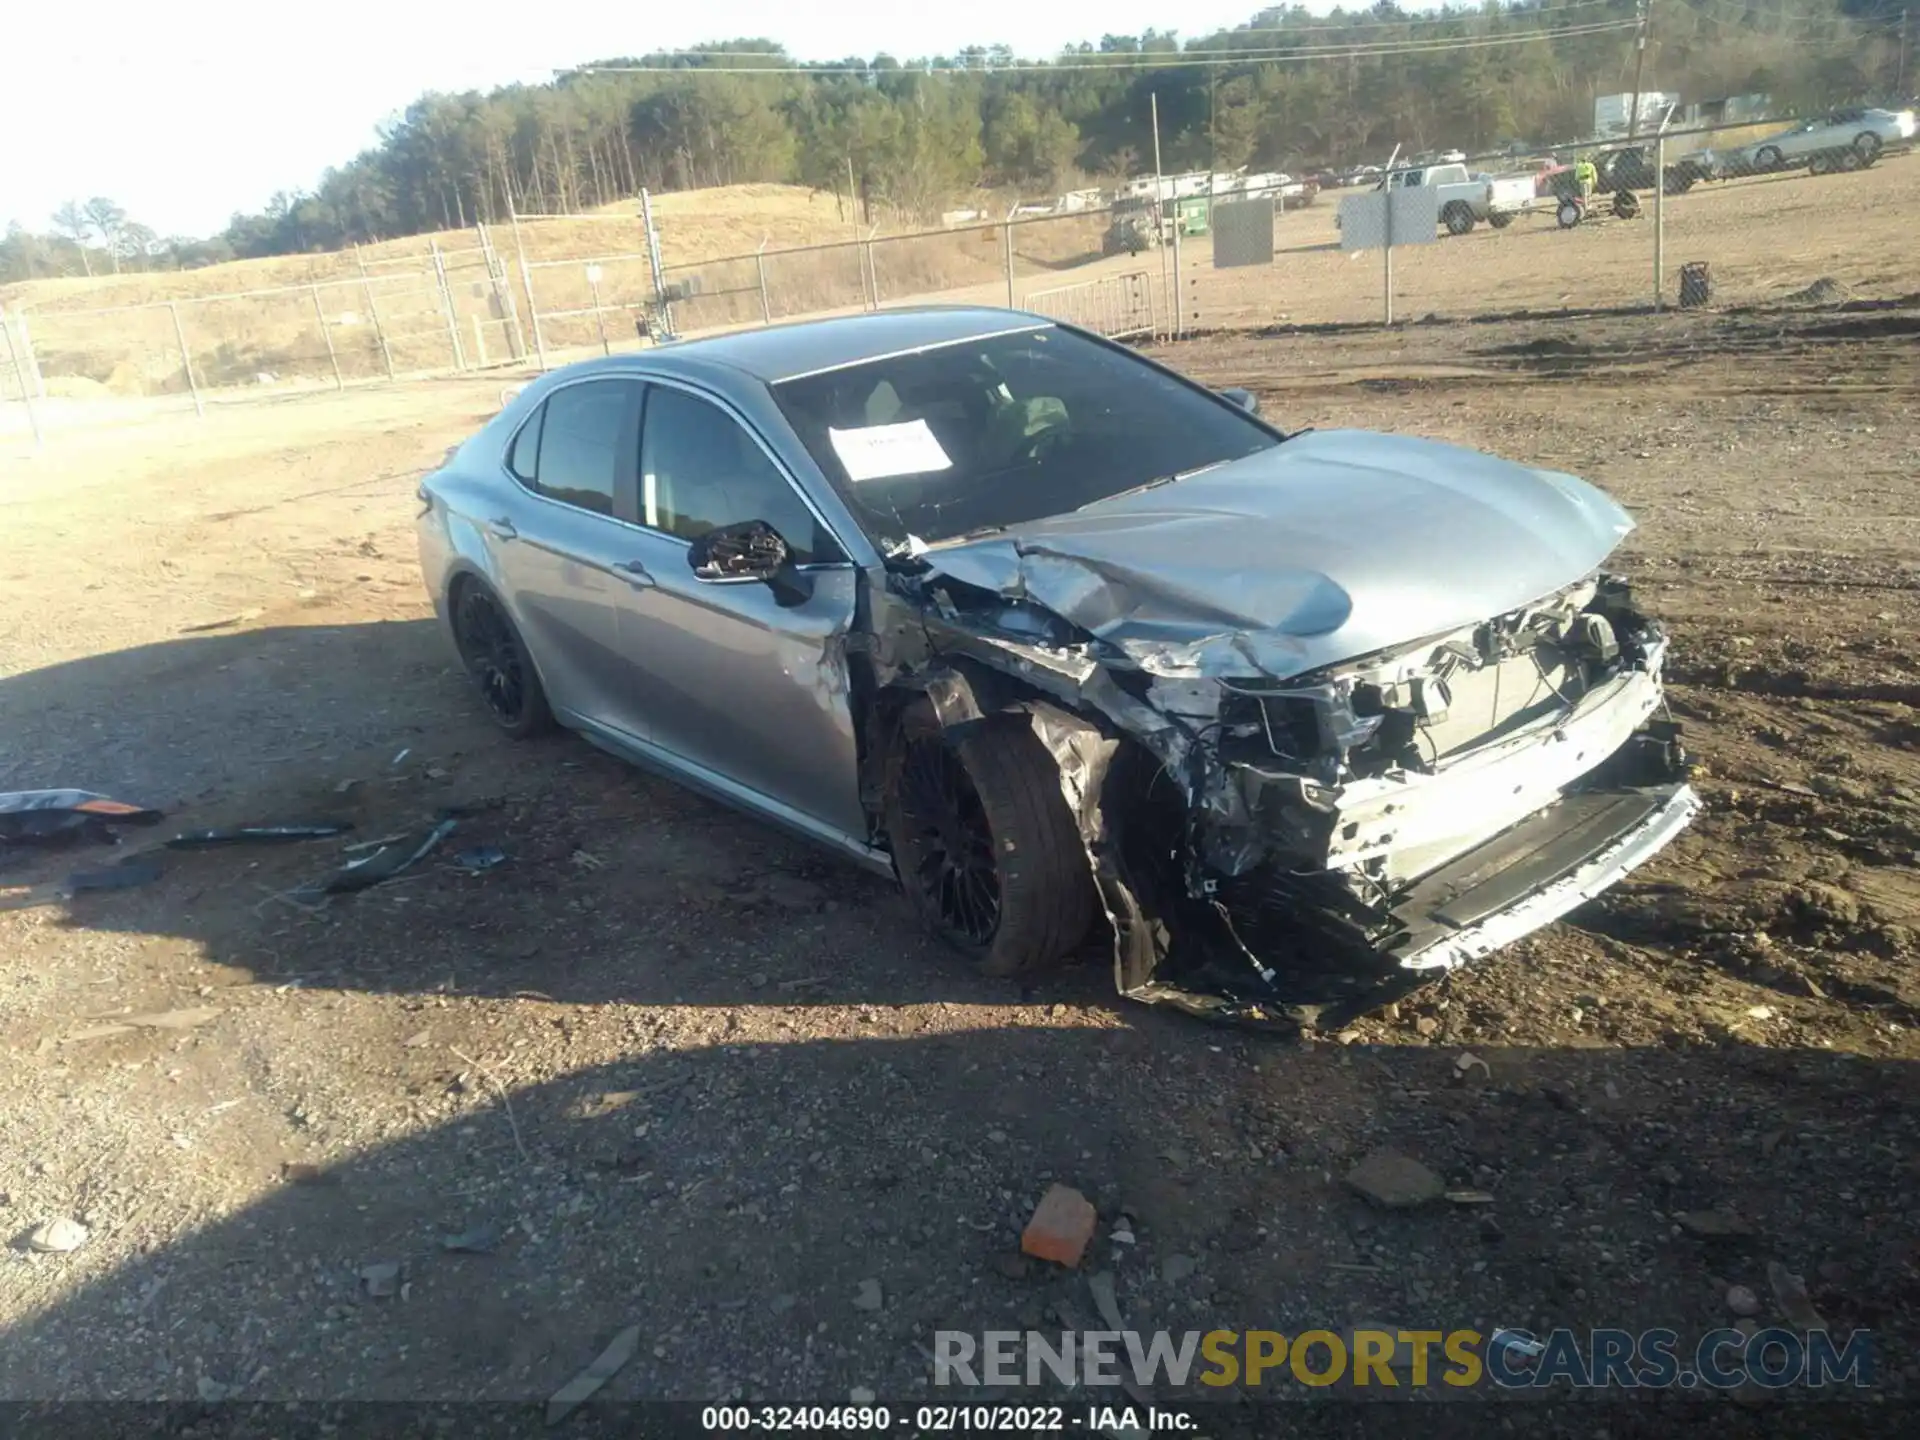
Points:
[[326, 334], [480, 344], [654, 263], [373, 312], [33, 360], [26, 389], [533, 313], [379, 330], [446, 302], [1179, 300], [599, 316], [760, 262], [502, 289], [186, 360], [526, 283], [1659, 218], [1007, 247], [1386, 242], [873, 271]]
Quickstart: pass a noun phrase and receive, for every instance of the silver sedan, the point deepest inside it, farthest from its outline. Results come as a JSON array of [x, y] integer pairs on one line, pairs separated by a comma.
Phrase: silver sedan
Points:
[[1076, 648], [1839, 139]]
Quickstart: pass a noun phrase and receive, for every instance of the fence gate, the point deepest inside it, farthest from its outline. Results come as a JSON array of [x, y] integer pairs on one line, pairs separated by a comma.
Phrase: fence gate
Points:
[[1116, 306], [1243, 232]]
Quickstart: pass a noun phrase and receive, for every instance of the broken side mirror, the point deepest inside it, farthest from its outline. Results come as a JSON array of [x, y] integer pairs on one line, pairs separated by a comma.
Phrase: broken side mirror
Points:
[[748, 552], [1245, 399]]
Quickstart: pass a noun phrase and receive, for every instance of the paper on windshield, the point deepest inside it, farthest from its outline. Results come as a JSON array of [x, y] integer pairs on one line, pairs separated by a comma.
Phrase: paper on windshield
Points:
[[884, 452]]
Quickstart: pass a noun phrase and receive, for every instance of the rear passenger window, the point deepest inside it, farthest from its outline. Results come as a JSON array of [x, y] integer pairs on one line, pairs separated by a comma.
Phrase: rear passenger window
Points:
[[570, 450], [524, 459]]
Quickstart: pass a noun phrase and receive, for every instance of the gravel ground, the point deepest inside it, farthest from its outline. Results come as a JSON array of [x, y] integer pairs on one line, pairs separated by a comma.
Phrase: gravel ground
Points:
[[665, 1068]]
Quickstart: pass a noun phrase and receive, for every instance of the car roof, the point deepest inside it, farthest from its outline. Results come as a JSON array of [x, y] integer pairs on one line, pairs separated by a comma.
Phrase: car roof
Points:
[[784, 352]]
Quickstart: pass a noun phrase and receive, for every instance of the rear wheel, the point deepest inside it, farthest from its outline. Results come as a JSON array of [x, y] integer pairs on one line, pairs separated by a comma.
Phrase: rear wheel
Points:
[[1820, 164], [1499, 219], [495, 657], [1458, 218], [986, 850], [1852, 160], [1569, 214], [1867, 144], [1766, 158]]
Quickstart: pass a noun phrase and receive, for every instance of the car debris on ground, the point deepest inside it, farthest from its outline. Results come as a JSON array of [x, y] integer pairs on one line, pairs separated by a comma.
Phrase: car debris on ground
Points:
[[379, 865], [177, 1020], [577, 1391], [64, 817], [58, 1236], [1395, 1182], [258, 835], [478, 859], [129, 874]]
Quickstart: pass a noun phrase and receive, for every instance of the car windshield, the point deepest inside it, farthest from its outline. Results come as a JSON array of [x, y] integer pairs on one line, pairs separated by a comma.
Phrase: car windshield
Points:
[[984, 434]]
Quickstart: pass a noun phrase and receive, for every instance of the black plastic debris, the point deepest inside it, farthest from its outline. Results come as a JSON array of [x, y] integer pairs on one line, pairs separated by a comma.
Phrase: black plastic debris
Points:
[[66, 817], [480, 858], [480, 1240], [126, 875], [382, 864], [258, 835]]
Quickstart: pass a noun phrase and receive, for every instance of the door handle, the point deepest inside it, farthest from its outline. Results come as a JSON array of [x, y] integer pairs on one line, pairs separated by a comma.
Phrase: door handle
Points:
[[635, 574], [501, 528]]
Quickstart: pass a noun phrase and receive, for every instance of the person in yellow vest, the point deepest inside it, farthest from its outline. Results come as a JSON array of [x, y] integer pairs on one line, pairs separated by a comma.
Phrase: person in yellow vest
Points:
[[1586, 177]]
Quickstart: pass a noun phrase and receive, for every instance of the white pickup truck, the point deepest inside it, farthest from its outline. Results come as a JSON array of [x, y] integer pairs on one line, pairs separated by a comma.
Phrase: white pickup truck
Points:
[[1466, 200]]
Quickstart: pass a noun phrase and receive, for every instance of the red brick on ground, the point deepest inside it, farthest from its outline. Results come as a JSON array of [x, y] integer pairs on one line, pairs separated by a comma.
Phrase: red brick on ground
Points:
[[1061, 1226]]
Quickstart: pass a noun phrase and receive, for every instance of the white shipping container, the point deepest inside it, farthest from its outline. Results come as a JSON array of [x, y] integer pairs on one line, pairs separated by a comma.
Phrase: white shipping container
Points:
[[1611, 112]]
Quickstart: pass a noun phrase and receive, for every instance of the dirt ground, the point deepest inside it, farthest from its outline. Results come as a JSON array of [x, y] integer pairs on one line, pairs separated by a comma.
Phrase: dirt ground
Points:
[[670, 1070]]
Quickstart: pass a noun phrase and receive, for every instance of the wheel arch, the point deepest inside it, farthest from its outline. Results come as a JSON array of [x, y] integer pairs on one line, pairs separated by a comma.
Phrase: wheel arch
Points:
[[463, 574]]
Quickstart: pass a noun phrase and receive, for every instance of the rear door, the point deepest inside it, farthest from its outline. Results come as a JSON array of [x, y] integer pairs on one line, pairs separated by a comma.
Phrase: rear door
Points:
[[731, 681], [557, 553]]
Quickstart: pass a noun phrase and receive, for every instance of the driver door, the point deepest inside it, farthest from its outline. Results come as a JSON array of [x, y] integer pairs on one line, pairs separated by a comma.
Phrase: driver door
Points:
[[731, 682]]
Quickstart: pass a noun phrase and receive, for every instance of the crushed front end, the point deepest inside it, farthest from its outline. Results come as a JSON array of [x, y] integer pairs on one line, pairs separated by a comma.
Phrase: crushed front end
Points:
[[1274, 850], [1436, 802]]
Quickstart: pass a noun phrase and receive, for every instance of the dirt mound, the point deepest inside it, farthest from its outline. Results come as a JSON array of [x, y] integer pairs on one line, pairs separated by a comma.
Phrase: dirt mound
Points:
[[1824, 291]]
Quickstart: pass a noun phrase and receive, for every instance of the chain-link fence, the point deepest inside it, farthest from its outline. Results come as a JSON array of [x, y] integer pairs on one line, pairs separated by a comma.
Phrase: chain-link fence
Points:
[[362, 319], [1816, 207], [586, 304]]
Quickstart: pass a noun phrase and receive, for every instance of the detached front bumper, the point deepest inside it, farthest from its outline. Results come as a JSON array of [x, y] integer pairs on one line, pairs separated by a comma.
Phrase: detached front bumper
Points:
[[1531, 875]]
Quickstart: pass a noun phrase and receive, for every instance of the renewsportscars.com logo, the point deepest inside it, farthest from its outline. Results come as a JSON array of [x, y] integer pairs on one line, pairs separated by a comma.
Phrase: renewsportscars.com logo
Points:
[[1773, 1359]]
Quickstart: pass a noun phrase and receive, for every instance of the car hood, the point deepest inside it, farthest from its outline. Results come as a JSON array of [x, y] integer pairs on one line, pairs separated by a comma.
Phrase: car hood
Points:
[[1330, 546]]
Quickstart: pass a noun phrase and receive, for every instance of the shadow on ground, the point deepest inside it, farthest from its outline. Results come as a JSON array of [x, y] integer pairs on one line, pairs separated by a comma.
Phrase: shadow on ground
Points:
[[732, 1200]]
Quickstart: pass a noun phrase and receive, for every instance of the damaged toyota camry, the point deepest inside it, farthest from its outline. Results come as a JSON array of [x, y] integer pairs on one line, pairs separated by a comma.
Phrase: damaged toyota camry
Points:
[[1077, 649]]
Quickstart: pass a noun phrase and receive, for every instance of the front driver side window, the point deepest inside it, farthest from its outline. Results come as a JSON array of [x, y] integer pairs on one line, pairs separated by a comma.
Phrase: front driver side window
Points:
[[699, 470]]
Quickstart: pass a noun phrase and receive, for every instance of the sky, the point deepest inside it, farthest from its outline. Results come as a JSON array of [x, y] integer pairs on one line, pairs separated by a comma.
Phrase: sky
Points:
[[185, 114]]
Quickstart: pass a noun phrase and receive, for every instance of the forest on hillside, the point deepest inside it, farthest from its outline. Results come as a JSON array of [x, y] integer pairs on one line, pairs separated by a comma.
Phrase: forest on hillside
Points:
[[1288, 90]]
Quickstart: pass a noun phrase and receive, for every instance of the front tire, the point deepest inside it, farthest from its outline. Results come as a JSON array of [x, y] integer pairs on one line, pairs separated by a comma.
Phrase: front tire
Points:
[[1499, 219], [1459, 219], [1868, 145], [497, 660], [986, 851]]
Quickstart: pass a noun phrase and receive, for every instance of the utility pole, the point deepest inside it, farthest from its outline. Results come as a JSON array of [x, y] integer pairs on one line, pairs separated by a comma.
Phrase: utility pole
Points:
[[1212, 133], [1159, 234], [1900, 75], [1644, 13]]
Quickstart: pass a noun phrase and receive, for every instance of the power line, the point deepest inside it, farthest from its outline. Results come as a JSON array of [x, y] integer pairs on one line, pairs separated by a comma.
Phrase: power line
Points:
[[1131, 60]]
